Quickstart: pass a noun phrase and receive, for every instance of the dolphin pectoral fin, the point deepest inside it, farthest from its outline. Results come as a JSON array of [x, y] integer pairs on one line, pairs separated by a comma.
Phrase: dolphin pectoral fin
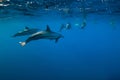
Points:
[[22, 43]]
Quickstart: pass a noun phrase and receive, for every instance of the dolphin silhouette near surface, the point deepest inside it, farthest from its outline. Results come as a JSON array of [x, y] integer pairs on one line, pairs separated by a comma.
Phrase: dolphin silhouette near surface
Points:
[[26, 31], [65, 26], [45, 34]]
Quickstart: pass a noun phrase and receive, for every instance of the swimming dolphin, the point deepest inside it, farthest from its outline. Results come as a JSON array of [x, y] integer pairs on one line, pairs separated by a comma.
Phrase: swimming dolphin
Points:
[[46, 34], [66, 26], [83, 25], [26, 31], [62, 27]]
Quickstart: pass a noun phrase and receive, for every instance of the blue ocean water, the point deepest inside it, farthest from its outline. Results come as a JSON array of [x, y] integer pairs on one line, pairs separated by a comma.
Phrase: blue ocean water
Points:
[[92, 53]]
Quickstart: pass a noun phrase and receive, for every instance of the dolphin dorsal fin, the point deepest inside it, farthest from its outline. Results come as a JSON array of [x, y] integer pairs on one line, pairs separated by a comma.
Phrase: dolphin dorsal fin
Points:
[[48, 29], [26, 27]]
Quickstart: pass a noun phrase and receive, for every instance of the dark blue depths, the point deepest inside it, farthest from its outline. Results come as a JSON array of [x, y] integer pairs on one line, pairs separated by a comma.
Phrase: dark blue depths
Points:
[[92, 53]]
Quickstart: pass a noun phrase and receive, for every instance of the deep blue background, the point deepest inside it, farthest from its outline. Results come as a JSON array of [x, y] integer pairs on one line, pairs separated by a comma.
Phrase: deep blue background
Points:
[[89, 54]]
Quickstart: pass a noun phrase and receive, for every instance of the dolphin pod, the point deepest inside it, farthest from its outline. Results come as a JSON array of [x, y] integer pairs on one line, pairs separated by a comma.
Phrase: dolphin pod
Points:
[[36, 35]]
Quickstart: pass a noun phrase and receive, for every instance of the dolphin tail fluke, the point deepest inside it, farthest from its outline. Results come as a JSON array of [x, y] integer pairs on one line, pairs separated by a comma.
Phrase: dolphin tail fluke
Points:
[[56, 40], [13, 36], [22, 43]]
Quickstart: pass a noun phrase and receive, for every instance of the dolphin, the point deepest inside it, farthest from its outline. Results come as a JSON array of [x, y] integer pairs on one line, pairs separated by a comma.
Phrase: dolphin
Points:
[[45, 34], [62, 27], [26, 31], [66, 26], [83, 25]]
